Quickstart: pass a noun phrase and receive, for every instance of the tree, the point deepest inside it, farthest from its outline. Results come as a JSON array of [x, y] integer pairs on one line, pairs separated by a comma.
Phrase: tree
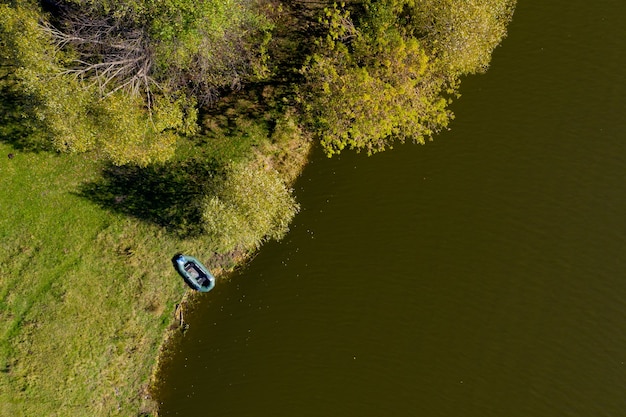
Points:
[[124, 77], [53, 106], [391, 74], [369, 86], [23, 54], [146, 46]]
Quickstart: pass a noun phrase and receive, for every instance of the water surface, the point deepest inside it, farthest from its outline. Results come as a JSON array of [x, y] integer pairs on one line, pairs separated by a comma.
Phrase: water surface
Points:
[[483, 274]]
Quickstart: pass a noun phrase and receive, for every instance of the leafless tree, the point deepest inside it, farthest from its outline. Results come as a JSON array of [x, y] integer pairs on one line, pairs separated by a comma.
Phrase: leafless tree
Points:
[[108, 53]]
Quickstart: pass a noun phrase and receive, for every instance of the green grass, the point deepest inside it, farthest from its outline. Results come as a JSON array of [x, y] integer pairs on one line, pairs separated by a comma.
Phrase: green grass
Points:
[[87, 290], [86, 293]]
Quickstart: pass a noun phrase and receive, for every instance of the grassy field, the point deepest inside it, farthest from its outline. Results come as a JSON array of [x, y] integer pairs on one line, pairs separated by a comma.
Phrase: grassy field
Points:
[[86, 291]]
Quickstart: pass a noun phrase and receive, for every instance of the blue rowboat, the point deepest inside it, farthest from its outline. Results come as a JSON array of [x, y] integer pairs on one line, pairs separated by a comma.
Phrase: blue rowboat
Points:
[[196, 275]]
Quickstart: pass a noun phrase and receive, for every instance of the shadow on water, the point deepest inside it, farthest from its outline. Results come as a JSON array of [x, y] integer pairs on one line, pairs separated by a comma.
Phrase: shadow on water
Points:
[[169, 195]]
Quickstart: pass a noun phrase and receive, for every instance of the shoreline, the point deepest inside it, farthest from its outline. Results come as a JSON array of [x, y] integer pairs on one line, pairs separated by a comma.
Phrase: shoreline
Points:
[[301, 152], [95, 330], [56, 353]]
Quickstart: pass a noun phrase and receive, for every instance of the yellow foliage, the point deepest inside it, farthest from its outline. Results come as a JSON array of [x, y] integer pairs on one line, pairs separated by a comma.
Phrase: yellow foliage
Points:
[[377, 90], [70, 112], [390, 78], [460, 33], [132, 136], [252, 205]]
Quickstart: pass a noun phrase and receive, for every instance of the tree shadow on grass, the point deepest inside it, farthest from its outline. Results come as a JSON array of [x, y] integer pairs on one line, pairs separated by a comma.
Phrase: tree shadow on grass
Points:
[[169, 195], [19, 124]]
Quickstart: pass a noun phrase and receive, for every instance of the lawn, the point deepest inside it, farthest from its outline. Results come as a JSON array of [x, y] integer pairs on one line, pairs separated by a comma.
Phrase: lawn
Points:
[[86, 291]]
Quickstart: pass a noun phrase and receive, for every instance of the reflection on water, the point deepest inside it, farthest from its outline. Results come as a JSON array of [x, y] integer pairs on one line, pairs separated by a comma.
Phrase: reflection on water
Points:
[[479, 275]]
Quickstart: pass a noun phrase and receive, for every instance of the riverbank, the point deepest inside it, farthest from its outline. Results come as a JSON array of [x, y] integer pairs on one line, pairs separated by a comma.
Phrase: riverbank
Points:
[[288, 159], [87, 292]]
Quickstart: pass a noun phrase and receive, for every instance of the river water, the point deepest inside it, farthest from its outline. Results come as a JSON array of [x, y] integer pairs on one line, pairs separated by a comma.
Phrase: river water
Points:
[[483, 274]]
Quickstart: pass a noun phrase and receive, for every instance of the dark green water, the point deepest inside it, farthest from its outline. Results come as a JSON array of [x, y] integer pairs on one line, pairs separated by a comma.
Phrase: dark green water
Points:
[[483, 274]]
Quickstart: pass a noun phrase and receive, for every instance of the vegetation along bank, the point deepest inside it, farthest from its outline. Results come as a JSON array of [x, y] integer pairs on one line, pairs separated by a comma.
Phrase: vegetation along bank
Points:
[[134, 129]]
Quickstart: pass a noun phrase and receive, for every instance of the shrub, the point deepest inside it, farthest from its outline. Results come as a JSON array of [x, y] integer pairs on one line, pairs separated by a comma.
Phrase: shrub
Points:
[[251, 206]]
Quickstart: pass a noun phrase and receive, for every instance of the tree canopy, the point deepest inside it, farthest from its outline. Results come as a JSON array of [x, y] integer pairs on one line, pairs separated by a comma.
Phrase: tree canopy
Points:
[[371, 84], [125, 77], [196, 46], [461, 34], [389, 74], [128, 78]]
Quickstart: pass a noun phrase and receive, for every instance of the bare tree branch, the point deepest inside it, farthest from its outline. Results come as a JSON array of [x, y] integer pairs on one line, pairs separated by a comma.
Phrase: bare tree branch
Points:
[[114, 56]]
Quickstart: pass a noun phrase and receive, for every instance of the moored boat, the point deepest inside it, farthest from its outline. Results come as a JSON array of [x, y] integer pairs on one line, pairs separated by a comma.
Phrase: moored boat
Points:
[[196, 275]]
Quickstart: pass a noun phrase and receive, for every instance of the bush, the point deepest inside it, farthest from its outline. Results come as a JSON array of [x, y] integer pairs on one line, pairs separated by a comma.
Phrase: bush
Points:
[[251, 206]]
